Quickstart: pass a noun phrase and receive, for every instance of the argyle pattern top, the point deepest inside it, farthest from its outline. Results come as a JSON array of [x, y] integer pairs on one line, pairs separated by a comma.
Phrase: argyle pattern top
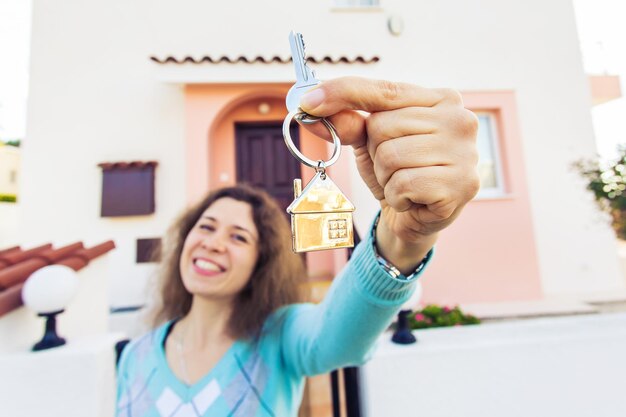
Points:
[[265, 377]]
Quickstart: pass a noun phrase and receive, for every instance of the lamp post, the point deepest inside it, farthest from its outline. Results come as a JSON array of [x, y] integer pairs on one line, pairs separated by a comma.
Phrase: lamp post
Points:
[[47, 292], [403, 334]]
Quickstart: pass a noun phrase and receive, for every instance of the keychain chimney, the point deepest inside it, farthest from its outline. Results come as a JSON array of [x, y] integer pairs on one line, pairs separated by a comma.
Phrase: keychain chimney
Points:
[[297, 188]]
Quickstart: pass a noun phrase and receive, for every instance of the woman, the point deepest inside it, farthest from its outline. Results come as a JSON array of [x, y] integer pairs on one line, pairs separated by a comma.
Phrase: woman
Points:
[[233, 341]]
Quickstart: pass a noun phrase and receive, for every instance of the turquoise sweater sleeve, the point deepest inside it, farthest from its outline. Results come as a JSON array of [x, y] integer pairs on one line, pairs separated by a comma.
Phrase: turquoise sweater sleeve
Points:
[[341, 330]]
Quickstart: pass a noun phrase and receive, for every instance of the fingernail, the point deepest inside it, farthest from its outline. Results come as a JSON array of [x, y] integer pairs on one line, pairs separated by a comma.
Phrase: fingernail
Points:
[[312, 99]]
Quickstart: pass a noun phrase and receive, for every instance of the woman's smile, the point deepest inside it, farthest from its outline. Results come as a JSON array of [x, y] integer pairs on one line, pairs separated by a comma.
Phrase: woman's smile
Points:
[[206, 267]]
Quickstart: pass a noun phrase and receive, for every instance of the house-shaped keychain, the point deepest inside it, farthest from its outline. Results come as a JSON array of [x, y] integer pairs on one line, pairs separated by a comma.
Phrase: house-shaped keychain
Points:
[[321, 216]]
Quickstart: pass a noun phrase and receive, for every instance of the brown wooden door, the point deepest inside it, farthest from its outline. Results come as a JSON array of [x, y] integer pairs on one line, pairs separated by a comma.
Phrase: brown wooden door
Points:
[[263, 159]]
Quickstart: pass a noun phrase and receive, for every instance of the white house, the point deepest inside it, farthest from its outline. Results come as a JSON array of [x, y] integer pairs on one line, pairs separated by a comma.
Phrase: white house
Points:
[[180, 84]]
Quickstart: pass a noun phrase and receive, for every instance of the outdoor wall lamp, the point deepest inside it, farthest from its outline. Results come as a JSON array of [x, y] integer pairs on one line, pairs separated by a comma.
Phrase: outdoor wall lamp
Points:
[[47, 292], [403, 334]]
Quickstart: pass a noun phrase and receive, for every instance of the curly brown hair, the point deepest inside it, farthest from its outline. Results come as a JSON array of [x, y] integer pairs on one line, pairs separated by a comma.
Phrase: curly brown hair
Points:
[[276, 278]]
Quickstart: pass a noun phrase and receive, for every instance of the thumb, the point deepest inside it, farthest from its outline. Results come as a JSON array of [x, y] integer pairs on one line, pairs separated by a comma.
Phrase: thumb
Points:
[[356, 93]]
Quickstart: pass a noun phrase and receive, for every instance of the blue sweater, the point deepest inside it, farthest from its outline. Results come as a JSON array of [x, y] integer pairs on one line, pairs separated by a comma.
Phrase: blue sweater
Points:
[[266, 377]]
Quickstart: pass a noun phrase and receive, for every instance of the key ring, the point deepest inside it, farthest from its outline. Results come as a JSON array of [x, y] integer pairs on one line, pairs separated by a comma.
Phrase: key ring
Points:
[[306, 118]]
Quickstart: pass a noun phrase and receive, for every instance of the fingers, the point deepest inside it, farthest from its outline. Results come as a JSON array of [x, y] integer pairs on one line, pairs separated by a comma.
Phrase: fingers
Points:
[[393, 124], [350, 126], [415, 149], [409, 152], [441, 189], [419, 137], [355, 93], [365, 165]]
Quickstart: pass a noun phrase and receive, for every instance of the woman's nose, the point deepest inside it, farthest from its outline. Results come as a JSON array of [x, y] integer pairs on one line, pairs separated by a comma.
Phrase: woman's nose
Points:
[[214, 242]]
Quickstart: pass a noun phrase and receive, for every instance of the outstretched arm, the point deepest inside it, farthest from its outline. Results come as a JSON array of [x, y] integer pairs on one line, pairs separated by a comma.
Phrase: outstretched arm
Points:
[[341, 330], [415, 149]]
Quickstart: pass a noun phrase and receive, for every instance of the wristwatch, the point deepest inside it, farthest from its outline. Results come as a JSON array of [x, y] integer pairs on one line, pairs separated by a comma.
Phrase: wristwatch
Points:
[[389, 267]]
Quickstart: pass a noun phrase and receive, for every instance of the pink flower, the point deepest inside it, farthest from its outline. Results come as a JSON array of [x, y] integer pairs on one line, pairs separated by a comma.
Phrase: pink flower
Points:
[[446, 309], [419, 317]]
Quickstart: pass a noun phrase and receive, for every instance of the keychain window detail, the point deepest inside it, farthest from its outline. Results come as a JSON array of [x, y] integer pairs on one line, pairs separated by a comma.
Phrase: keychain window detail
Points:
[[337, 229]]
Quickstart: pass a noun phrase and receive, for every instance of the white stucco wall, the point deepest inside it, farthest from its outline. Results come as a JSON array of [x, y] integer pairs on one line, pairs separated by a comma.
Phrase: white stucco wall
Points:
[[95, 96], [9, 224], [562, 366]]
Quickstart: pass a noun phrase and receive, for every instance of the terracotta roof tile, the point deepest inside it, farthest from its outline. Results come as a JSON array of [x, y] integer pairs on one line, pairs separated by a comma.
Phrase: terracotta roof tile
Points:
[[261, 59], [123, 165], [17, 274], [11, 299], [9, 250], [14, 257], [52, 255], [12, 276], [81, 257]]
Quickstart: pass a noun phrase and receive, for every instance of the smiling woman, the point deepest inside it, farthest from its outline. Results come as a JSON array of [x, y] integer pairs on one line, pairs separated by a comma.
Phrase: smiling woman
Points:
[[216, 257], [230, 337]]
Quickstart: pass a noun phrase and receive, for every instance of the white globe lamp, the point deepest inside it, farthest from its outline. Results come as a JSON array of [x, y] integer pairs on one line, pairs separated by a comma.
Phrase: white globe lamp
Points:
[[47, 292]]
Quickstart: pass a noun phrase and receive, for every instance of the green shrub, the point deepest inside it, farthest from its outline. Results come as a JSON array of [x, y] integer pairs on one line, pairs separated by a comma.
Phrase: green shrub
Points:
[[9, 198], [13, 142], [607, 181], [437, 316]]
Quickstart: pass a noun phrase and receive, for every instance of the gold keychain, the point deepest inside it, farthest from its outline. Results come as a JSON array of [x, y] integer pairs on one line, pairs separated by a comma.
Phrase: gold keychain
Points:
[[321, 215]]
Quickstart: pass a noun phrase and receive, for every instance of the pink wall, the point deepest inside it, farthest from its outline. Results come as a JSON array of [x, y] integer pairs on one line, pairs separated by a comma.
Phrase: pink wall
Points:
[[489, 253], [211, 113]]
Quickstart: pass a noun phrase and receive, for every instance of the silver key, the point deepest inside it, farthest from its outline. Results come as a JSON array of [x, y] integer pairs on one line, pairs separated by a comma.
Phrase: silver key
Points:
[[305, 77]]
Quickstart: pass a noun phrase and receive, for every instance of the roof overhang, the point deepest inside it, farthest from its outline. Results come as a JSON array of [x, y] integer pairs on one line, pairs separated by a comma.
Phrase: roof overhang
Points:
[[259, 69]]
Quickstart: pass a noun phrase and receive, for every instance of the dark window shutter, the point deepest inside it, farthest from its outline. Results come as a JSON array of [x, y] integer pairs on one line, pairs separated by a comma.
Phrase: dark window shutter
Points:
[[127, 189]]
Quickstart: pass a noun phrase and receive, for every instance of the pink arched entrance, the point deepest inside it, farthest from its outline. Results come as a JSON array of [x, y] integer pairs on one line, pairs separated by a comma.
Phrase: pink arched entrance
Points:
[[211, 114]]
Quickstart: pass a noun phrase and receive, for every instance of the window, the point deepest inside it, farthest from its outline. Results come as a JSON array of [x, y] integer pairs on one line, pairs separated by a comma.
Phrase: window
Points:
[[489, 164], [356, 3], [148, 250], [127, 188]]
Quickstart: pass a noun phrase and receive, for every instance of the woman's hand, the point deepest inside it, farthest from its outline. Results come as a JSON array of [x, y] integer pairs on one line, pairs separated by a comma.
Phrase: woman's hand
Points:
[[415, 150]]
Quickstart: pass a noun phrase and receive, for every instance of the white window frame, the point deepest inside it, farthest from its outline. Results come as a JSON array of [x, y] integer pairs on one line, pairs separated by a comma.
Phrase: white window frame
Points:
[[499, 191], [338, 4]]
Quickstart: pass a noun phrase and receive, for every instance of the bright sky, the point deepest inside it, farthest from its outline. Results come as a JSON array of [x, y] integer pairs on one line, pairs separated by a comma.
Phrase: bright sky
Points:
[[603, 40], [601, 29], [14, 44]]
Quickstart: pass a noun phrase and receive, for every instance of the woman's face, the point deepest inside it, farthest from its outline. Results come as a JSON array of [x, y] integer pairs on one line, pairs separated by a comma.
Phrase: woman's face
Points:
[[220, 251]]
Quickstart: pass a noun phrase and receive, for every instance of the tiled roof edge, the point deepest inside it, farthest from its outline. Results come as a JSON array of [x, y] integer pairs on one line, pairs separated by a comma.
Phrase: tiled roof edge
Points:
[[261, 59], [124, 165]]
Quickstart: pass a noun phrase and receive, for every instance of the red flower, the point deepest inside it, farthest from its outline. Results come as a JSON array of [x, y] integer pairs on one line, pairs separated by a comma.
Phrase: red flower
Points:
[[419, 317]]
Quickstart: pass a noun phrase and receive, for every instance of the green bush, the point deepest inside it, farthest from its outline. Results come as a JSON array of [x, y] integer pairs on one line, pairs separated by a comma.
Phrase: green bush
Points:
[[13, 142], [437, 316], [9, 198], [607, 181]]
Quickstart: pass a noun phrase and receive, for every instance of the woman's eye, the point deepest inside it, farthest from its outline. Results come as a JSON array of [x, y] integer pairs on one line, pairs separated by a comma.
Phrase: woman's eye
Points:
[[240, 238], [207, 227]]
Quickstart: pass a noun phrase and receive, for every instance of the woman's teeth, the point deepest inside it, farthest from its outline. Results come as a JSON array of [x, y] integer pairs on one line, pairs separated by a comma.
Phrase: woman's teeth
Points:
[[208, 266]]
